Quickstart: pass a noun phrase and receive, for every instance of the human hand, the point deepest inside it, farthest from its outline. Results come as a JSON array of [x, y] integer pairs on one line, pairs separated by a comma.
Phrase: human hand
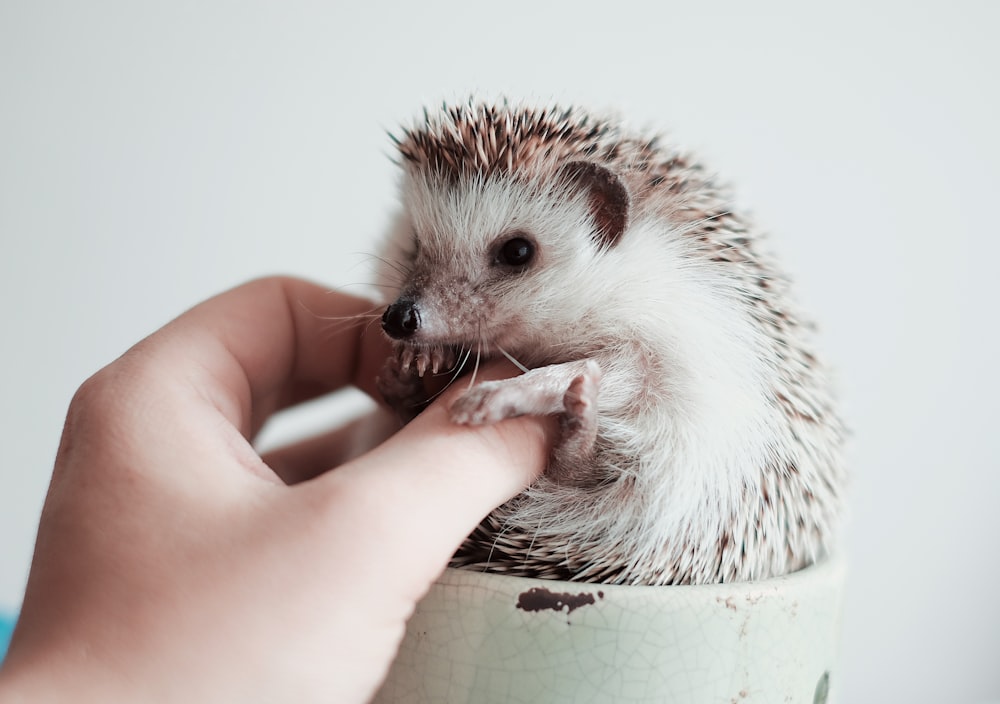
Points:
[[174, 564]]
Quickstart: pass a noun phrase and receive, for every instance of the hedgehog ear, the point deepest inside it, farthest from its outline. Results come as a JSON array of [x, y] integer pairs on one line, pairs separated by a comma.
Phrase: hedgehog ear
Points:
[[608, 199]]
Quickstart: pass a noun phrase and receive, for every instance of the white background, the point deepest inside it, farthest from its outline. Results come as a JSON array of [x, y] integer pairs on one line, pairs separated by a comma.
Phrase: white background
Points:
[[153, 154]]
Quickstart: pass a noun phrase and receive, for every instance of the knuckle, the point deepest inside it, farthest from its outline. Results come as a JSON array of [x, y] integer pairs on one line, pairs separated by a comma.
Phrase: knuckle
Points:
[[96, 397], [107, 398]]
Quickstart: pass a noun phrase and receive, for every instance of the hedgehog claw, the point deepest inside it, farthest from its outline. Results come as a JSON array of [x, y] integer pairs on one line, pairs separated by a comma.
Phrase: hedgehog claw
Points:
[[405, 358], [442, 359]]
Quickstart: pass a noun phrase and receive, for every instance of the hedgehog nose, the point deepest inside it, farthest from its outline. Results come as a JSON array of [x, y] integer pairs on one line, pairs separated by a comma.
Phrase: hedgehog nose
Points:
[[401, 319]]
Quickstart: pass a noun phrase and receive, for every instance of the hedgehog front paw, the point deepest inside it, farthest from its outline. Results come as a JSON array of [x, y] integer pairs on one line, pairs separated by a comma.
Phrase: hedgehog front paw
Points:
[[401, 388], [486, 403]]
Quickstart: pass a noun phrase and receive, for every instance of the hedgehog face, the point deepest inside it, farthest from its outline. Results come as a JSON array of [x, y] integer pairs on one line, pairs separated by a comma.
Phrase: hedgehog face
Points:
[[507, 208], [495, 263]]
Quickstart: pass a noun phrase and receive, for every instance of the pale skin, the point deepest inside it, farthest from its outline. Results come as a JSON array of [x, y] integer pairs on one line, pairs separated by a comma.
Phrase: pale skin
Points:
[[173, 563]]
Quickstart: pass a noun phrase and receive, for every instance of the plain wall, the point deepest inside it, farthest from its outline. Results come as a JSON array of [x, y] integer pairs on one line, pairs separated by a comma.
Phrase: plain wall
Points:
[[152, 154]]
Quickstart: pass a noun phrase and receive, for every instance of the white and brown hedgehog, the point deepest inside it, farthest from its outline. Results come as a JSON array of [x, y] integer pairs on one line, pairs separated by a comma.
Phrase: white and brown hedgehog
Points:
[[699, 439]]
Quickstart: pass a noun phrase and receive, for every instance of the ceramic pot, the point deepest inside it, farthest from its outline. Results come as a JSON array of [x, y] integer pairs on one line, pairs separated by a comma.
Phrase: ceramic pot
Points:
[[483, 638]]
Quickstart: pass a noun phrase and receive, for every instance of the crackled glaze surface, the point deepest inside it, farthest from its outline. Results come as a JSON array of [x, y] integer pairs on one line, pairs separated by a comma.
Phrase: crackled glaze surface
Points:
[[485, 638]]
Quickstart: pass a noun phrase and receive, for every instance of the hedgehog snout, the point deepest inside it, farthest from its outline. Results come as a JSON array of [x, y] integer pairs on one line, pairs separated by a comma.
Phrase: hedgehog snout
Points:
[[401, 319]]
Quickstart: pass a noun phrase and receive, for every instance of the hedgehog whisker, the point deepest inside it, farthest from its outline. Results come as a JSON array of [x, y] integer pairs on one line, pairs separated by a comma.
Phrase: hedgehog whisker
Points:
[[375, 318], [475, 369], [455, 365], [479, 354], [354, 284], [513, 361], [399, 267], [465, 359], [339, 323], [333, 330], [373, 313]]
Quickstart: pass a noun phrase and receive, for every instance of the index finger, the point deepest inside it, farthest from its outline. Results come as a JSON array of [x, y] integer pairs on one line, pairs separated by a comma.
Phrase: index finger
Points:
[[272, 342], [418, 494]]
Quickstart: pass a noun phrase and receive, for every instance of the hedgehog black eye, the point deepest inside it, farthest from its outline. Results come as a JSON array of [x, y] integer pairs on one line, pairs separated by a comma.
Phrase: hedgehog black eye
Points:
[[517, 251]]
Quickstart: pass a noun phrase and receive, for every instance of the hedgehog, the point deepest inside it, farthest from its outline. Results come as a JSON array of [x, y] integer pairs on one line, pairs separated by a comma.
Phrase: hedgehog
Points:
[[699, 439]]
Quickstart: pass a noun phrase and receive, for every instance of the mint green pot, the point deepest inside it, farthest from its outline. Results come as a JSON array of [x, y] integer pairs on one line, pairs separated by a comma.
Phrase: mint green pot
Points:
[[483, 638]]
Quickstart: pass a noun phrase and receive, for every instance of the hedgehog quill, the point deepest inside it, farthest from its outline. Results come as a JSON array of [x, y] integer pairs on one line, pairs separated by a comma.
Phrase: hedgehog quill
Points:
[[700, 441]]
